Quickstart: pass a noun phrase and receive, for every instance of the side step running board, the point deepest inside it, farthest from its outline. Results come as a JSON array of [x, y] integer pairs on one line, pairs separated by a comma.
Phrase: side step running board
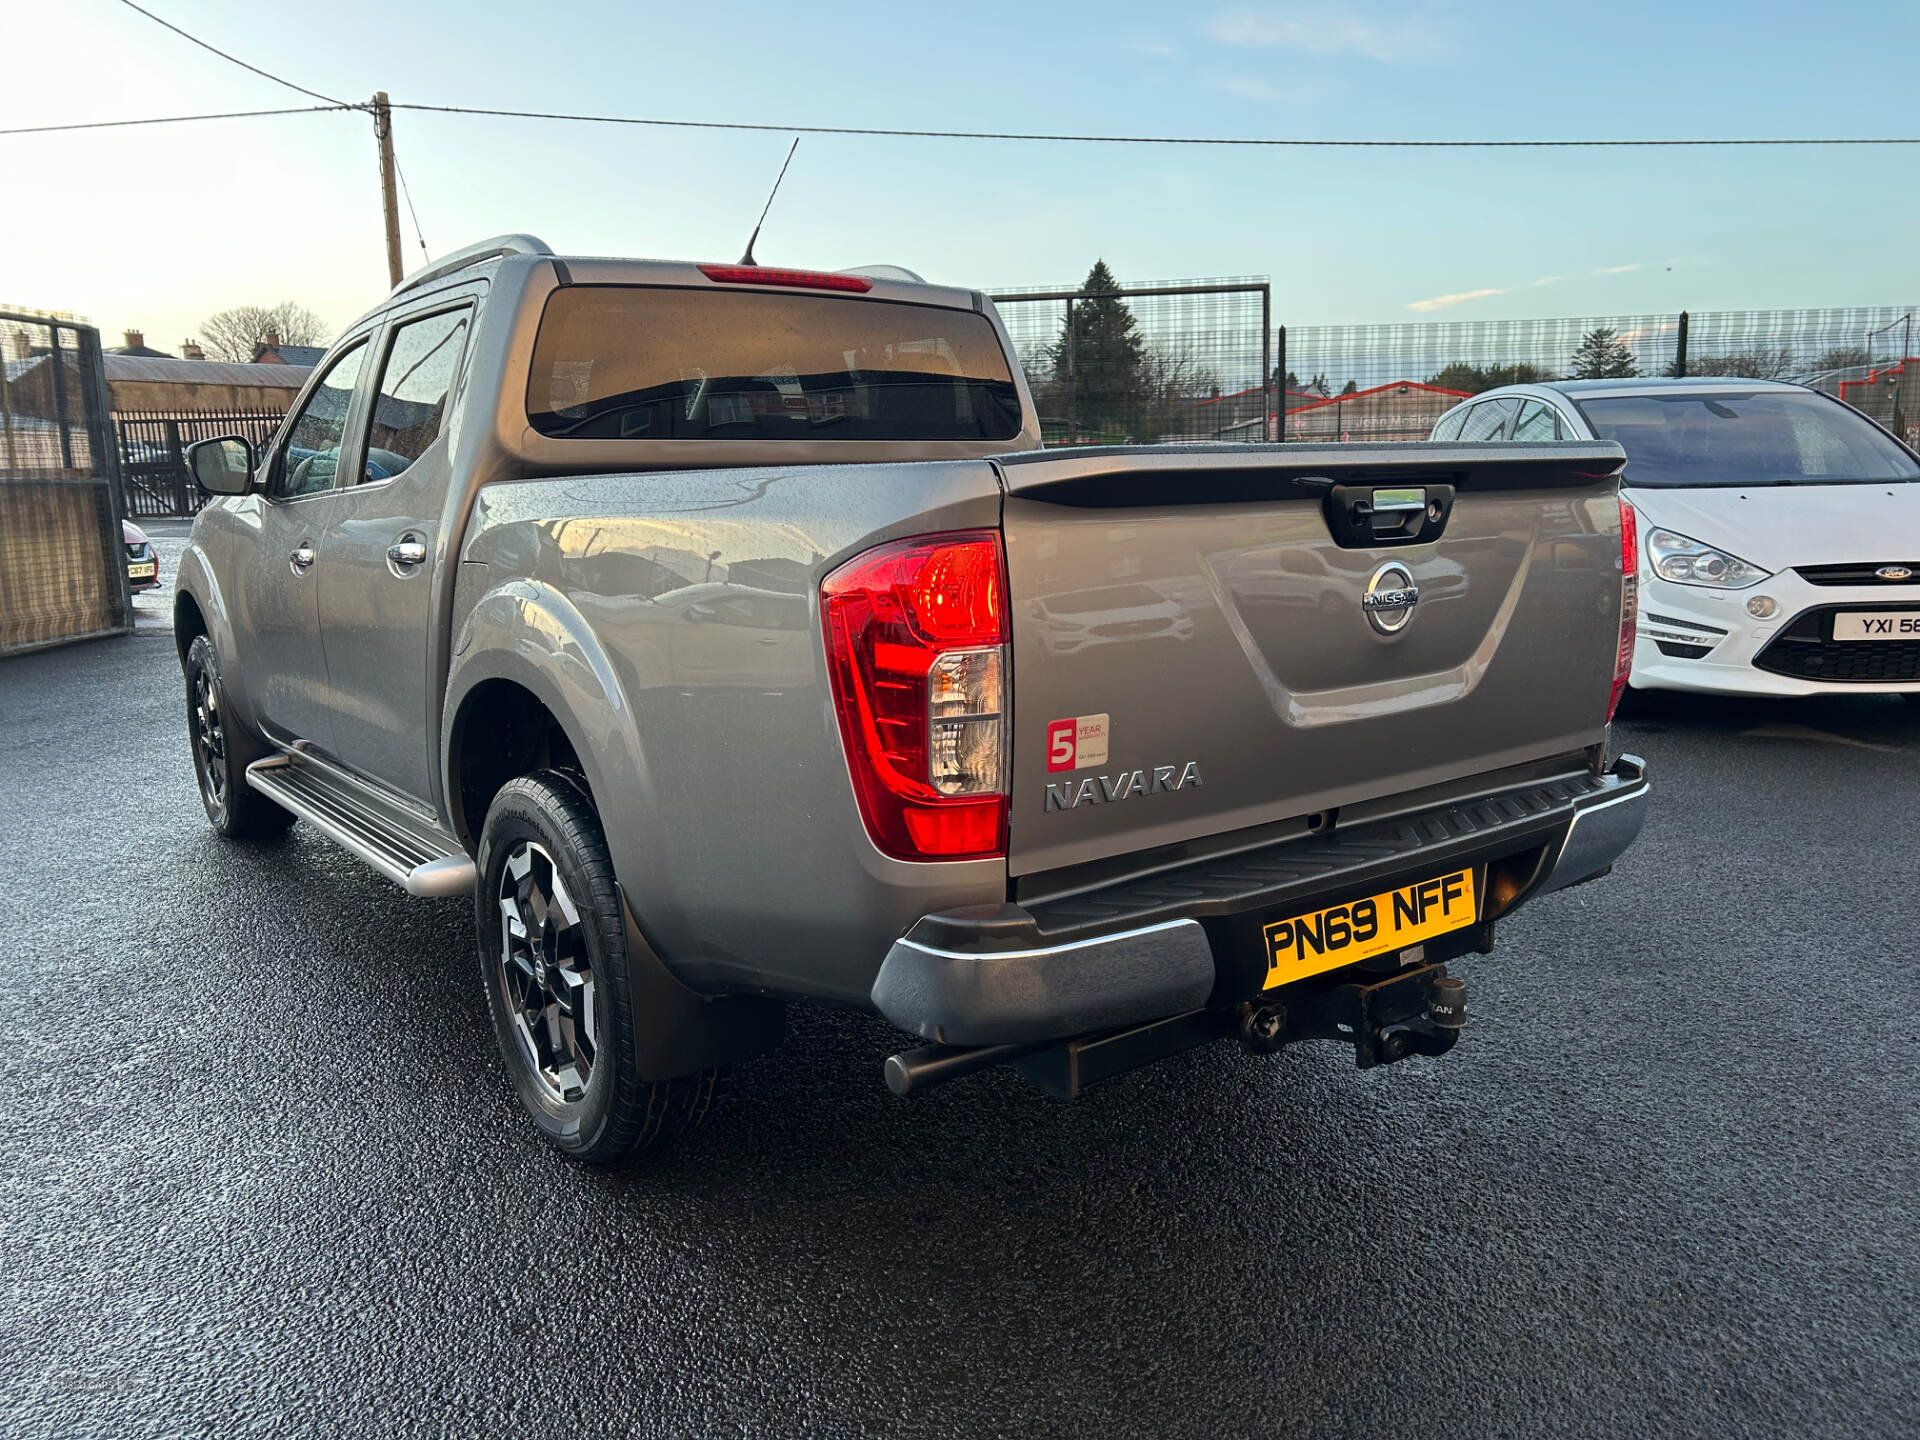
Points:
[[402, 845]]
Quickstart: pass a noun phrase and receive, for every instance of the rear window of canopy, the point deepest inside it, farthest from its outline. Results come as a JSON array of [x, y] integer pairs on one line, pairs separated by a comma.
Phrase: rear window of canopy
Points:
[[628, 362]]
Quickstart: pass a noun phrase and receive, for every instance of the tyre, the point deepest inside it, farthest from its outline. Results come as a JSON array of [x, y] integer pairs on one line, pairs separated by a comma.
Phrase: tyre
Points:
[[554, 960], [222, 749]]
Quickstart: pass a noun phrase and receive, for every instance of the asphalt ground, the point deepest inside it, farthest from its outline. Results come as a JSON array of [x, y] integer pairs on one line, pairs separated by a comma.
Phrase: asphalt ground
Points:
[[264, 1173]]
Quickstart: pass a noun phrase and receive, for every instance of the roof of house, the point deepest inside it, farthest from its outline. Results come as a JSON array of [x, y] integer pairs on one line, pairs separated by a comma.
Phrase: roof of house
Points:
[[1390, 385], [291, 354], [147, 350], [203, 372], [1305, 395], [17, 368]]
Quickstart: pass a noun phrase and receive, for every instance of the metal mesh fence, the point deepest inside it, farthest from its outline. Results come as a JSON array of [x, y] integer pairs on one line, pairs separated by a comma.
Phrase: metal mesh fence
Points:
[[63, 571], [1391, 382], [1115, 364], [153, 444]]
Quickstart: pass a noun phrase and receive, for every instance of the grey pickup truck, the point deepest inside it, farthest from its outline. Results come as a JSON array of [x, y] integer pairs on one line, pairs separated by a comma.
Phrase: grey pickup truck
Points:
[[724, 632]]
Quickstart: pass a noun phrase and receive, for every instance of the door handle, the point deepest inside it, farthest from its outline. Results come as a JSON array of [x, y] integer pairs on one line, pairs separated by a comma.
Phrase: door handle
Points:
[[301, 557], [407, 553]]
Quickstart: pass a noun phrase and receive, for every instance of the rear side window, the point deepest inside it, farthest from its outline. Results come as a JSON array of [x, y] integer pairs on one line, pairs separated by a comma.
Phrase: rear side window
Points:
[[625, 362], [410, 409], [1537, 422], [1449, 426], [1488, 420]]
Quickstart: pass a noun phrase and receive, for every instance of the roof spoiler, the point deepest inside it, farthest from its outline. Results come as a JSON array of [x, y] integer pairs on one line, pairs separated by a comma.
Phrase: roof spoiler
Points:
[[472, 255]]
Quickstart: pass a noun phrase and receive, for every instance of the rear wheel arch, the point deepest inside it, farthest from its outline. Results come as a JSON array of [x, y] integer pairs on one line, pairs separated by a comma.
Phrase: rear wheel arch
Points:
[[502, 730], [525, 642]]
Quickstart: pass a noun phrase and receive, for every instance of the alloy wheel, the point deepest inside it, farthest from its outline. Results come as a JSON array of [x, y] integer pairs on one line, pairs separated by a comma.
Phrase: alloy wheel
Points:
[[209, 740], [546, 973]]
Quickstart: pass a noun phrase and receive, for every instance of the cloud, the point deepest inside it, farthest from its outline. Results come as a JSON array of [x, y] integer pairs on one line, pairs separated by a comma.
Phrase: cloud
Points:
[[1248, 87], [1156, 49], [1621, 269], [1394, 40], [1545, 280], [1447, 302]]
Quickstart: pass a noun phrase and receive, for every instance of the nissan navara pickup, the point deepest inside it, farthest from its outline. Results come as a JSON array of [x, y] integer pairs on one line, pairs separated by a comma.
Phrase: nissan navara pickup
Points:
[[725, 634]]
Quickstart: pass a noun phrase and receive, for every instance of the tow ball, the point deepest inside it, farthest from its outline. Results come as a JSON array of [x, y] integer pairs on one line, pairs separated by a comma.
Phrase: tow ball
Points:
[[1416, 1012]]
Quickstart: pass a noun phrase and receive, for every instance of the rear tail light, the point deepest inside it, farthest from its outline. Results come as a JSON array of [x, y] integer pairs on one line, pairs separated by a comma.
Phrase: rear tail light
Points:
[[1629, 605], [797, 279], [916, 646]]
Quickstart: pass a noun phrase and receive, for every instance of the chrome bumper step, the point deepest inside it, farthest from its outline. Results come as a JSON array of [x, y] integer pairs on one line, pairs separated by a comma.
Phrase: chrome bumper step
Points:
[[400, 843]]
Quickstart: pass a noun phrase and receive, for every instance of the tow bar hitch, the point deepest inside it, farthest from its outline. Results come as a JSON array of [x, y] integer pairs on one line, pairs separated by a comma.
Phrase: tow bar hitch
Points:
[[1417, 1012]]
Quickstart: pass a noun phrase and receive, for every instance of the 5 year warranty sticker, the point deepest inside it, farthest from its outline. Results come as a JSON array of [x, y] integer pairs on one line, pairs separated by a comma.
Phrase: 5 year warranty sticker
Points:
[[1077, 742]]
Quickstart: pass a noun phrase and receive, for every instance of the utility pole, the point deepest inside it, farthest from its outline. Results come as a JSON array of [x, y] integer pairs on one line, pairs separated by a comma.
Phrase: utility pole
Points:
[[383, 133]]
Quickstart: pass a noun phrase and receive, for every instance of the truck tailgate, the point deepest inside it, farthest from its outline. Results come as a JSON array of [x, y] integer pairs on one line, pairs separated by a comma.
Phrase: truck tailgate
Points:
[[1192, 652]]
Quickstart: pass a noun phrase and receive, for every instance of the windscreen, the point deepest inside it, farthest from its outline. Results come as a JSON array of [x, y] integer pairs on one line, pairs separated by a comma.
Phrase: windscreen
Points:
[[626, 362], [1765, 437]]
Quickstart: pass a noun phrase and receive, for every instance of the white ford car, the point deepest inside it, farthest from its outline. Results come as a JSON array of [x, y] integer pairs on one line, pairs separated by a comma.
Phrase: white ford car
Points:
[[1779, 529]]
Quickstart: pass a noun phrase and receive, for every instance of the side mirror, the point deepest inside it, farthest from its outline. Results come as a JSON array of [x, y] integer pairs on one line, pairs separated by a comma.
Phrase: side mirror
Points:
[[223, 466]]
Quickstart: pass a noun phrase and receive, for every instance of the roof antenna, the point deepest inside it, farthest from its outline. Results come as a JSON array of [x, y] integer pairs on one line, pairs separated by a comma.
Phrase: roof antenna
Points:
[[747, 259]]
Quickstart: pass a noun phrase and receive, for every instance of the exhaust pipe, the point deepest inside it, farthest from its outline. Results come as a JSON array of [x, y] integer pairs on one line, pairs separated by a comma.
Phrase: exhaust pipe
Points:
[[913, 1071]]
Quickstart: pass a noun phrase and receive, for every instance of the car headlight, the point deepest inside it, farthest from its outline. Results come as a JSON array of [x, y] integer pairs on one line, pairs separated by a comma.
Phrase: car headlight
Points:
[[1688, 562]]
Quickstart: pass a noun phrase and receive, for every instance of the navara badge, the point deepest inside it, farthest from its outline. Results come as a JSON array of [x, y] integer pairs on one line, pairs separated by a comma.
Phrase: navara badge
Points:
[[1390, 598]]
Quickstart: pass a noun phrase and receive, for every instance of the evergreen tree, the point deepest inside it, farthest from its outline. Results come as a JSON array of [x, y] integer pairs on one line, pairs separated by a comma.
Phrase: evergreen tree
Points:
[[1108, 352], [1603, 356]]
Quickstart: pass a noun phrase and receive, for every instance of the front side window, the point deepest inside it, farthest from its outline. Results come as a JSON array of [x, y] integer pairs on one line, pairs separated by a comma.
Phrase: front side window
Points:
[[627, 362], [410, 407], [1488, 420], [313, 445], [1762, 437]]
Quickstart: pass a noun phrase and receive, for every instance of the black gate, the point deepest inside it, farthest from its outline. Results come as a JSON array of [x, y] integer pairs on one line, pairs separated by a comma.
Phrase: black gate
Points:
[[153, 446]]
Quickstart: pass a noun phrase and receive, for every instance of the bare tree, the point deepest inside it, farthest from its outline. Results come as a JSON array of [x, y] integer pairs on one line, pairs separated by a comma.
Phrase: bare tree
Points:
[[1170, 380], [1760, 363], [1843, 357], [238, 334]]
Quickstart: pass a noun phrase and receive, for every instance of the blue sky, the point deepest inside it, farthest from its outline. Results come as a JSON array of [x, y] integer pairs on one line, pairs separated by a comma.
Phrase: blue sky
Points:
[[155, 228]]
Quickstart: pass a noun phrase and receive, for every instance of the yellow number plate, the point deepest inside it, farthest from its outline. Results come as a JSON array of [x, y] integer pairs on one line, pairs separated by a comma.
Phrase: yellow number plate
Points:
[[142, 572], [1392, 920]]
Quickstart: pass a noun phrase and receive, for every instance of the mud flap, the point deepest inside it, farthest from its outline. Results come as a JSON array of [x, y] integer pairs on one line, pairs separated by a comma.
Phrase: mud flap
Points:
[[678, 1031]]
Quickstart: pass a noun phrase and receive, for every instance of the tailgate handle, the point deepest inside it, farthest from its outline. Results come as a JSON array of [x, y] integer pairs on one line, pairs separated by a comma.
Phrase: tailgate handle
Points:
[[1361, 517]]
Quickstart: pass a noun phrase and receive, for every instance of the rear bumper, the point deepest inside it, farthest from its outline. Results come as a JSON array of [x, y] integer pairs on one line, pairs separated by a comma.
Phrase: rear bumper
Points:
[[1187, 938], [1601, 829]]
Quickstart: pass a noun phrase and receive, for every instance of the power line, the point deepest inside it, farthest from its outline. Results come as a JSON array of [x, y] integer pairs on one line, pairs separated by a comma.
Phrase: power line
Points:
[[1229, 140], [411, 212], [1145, 139], [235, 59], [174, 119]]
